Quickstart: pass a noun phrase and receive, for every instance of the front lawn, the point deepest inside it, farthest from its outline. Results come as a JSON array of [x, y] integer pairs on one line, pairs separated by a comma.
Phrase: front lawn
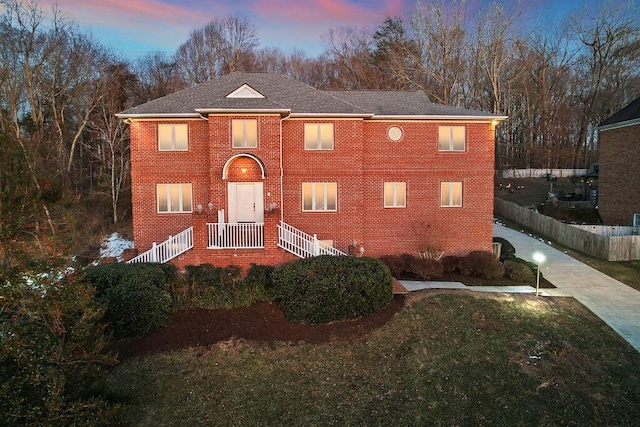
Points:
[[448, 358]]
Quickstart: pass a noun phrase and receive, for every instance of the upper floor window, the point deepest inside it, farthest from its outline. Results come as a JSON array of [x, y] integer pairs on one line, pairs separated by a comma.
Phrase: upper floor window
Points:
[[174, 197], [451, 138], [395, 194], [245, 133], [319, 196], [450, 194], [173, 137], [318, 136]]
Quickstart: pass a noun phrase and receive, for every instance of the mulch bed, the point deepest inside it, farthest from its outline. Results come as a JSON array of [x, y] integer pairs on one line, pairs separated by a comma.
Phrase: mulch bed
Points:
[[261, 322]]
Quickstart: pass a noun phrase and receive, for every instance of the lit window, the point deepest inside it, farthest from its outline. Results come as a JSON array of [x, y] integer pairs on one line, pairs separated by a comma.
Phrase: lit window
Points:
[[319, 196], [173, 137], [450, 194], [318, 136], [174, 197], [245, 133], [451, 138], [395, 194]]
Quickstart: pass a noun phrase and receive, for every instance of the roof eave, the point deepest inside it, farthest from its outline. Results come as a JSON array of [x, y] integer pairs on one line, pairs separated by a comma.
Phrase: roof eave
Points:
[[280, 111], [332, 115], [618, 125], [440, 117], [158, 116]]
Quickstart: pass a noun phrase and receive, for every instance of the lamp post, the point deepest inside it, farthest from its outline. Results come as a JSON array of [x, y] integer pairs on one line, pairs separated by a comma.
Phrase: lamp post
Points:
[[539, 258]]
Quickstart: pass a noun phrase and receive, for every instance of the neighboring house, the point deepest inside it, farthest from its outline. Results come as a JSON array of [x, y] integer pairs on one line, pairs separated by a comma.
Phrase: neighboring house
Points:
[[619, 172], [249, 167]]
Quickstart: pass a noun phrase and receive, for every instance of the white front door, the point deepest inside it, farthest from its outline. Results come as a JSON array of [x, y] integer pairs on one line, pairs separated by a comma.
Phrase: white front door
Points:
[[246, 202]]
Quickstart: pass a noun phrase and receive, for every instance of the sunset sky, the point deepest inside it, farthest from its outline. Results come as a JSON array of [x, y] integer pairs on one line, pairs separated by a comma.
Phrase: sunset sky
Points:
[[136, 27]]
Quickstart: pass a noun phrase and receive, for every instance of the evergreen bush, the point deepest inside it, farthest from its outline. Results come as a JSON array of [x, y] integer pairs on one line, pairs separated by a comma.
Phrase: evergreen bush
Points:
[[327, 288], [136, 296]]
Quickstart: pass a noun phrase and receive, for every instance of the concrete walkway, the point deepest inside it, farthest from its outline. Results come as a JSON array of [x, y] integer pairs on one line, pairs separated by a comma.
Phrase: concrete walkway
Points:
[[617, 304]]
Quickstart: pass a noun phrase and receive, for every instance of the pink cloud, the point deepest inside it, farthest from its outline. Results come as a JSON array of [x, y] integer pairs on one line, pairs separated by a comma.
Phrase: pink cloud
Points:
[[124, 13], [326, 12]]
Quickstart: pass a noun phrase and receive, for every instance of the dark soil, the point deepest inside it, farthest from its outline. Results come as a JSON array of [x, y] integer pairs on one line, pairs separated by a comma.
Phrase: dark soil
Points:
[[261, 322]]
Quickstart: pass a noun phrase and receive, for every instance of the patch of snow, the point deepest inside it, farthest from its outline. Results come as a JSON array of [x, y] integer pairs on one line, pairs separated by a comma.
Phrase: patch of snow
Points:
[[114, 245]]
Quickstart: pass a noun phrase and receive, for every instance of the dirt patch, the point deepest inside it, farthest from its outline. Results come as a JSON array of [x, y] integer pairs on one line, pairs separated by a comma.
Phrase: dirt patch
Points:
[[261, 322]]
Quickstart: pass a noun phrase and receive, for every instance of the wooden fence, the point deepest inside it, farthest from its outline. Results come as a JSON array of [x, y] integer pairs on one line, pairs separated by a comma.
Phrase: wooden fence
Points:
[[611, 248]]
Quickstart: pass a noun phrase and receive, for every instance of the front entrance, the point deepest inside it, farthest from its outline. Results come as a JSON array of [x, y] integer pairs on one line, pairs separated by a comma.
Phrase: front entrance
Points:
[[246, 202]]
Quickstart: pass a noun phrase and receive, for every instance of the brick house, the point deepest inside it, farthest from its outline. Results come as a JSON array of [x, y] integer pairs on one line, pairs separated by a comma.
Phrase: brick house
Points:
[[619, 174], [260, 168]]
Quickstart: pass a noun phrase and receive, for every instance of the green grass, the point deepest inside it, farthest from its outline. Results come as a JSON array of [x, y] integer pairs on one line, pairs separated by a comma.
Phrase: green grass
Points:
[[627, 272], [448, 359]]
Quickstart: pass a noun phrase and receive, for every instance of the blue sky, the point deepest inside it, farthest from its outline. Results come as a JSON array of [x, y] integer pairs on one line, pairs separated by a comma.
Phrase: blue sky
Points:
[[135, 27]]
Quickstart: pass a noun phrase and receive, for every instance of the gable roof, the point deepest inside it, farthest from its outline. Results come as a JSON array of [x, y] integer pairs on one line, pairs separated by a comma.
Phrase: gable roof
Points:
[[289, 97], [628, 116]]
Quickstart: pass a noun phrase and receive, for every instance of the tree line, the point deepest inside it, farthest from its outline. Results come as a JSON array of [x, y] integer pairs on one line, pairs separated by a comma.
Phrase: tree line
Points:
[[65, 156]]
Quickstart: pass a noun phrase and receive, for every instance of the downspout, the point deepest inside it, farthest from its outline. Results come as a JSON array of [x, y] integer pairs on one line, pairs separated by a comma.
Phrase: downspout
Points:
[[281, 173]]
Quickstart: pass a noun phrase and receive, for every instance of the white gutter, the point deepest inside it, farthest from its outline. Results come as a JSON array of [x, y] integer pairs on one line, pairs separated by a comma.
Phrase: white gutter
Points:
[[280, 111], [158, 115], [331, 115], [619, 125], [441, 117]]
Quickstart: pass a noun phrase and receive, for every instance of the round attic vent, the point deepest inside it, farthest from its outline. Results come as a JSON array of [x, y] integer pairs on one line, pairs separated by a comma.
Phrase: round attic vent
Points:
[[394, 133]]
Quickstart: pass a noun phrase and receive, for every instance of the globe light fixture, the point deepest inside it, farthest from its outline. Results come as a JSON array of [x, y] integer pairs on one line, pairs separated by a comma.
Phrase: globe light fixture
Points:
[[539, 258]]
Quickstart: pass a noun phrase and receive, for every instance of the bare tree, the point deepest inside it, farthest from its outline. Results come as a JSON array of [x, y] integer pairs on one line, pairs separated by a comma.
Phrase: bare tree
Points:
[[215, 49]]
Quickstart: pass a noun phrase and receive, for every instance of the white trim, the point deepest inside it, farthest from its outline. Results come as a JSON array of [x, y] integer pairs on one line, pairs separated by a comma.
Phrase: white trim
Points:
[[163, 116], [280, 111], [245, 92], [619, 125], [225, 168], [173, 136], [325, 196], [317, 139], [450, 195], [394, 187], [441, 117], [331, 115]]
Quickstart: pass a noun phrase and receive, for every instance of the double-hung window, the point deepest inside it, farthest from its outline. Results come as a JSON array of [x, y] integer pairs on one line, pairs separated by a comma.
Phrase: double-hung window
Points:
[[319, 197], [245, 133], [395, 194], [318, 136], [451, 138], [450, 194], [173, 137], [174, 198]]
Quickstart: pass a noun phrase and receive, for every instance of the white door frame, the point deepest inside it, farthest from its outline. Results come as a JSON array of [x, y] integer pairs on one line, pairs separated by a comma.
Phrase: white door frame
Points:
[[258, 205]]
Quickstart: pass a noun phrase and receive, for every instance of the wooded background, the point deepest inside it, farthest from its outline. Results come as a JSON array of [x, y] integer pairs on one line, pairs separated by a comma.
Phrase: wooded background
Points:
[[64, 156]]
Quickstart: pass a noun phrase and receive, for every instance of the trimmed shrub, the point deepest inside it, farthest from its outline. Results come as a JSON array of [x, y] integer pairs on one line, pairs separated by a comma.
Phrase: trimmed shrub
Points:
[[451, 263], [203, 275], [481, 264], [135, 296], [396, 264], [327, 288], [426, 269], [507, 250], [519, 271], [259, 276]]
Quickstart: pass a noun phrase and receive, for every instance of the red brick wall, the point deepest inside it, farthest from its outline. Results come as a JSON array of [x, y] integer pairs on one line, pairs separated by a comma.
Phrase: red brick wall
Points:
[[618, 189], [363, 159]]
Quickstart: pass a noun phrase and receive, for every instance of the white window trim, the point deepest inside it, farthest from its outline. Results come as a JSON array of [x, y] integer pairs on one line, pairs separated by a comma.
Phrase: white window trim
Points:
[[313, 199], [319, 138], [395, 195], [244, 133], [451, 149], [173, 135], [181, 186], [451, 205]]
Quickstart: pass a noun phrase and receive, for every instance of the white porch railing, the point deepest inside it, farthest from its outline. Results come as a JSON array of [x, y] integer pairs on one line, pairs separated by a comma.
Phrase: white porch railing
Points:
[[302, 244], [167, 250], [235, 235]]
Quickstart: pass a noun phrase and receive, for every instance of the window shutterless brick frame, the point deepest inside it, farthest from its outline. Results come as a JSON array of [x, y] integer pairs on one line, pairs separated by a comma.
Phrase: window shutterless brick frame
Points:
[[362, 160]]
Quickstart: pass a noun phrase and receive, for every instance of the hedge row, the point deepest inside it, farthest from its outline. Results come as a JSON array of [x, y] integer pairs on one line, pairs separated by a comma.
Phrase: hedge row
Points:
[[327, 288]]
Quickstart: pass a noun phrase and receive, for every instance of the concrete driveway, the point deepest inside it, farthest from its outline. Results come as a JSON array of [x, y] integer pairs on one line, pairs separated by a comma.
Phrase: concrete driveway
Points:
[[617, 304]]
